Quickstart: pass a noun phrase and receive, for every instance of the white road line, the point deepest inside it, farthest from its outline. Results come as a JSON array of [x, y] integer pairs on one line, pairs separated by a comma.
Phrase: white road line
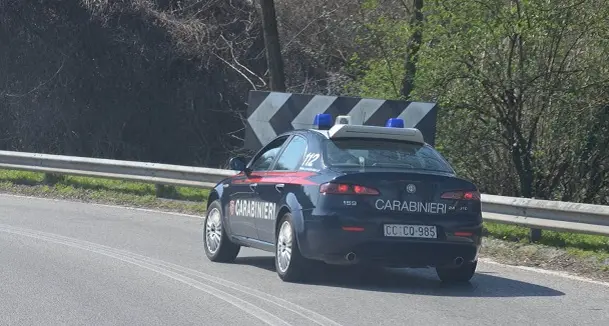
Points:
[[149, 210], [299, 310], [484, 260], [545, 271], [284, 304], [253, 310]]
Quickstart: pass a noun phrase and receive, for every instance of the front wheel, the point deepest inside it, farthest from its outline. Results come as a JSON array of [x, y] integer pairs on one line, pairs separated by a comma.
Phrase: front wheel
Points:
[[461, 274], [218, 247], [289, 263]]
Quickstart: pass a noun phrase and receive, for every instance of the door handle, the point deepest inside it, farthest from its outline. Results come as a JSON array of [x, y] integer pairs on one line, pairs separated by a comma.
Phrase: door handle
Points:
[[279, 187], [253, 186]]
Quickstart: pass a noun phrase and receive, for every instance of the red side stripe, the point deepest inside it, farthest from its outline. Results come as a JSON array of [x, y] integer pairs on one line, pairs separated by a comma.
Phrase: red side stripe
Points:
[[299, 177], [353, 228]]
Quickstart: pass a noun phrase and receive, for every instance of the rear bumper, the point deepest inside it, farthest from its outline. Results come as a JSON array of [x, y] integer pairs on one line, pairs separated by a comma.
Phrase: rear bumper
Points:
[[323, 238]]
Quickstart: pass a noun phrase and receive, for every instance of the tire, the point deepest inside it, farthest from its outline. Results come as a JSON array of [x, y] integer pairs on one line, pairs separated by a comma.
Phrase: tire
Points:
[[461, 274], [289, 263], [217, 245]]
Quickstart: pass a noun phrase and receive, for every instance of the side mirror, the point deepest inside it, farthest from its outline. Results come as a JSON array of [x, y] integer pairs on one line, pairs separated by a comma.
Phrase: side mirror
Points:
[[237, 164]]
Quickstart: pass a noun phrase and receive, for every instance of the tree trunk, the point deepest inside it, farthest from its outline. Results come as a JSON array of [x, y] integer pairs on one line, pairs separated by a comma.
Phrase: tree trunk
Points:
[[414, 44], [166, 4], [273, 49]]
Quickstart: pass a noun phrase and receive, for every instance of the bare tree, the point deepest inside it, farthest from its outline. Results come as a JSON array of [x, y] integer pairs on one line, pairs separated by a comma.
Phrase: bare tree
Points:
[[273, 48]]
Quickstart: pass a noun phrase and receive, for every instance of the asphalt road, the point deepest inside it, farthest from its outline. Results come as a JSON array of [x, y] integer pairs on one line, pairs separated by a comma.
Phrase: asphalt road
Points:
[[81, 264]]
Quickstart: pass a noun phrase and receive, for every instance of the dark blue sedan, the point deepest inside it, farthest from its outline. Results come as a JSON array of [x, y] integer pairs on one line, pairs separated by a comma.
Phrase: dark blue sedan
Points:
[[348, 194]]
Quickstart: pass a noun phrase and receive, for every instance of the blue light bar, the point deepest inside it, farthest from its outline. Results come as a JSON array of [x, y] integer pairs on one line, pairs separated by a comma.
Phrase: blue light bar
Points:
[[323, 121], [395, 123]]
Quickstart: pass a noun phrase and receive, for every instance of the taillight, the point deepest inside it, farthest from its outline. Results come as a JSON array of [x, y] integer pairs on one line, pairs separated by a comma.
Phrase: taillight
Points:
[[461, 195], [346, 189]]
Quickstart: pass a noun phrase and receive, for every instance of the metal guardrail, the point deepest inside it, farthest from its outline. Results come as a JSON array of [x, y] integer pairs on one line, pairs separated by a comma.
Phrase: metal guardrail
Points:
[[532, 213], [547, 214], [155, 173]]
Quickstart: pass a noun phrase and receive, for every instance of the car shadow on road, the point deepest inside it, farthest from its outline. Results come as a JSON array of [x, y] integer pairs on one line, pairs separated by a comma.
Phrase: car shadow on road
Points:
[[412, 281]]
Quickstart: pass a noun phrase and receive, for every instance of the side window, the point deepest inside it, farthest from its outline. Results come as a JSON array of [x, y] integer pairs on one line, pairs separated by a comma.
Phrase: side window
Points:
[[289, 159], [267, 157]]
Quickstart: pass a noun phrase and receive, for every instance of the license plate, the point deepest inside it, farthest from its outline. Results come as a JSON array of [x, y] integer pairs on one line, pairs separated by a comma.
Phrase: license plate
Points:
[[410, 231]]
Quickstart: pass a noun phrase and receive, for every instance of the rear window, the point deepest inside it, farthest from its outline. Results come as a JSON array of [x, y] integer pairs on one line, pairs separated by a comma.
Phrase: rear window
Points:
[[383, 154]]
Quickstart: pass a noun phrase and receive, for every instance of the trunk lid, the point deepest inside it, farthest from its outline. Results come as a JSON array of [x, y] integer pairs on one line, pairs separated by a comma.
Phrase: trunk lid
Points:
[[414, 193]]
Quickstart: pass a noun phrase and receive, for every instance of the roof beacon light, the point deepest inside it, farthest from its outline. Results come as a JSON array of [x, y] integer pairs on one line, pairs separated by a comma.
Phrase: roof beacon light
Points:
[[323, 121], [395, 123], [343, 120]]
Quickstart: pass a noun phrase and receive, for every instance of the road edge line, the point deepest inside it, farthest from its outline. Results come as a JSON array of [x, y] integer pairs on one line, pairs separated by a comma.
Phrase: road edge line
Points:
[[551, 272], [150, 210]]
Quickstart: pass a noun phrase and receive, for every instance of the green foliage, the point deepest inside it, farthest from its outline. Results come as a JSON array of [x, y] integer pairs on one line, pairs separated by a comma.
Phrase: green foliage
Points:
[[551, 238], [522, 86]]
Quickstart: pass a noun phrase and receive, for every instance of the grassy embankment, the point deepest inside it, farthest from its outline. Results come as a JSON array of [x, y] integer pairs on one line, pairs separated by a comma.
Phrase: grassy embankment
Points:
[[192, 200], [107, 191]]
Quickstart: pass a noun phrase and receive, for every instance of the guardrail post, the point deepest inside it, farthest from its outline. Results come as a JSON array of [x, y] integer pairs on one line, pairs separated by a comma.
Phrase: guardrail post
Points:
[[164, 191], [51, 178], [535, 235]]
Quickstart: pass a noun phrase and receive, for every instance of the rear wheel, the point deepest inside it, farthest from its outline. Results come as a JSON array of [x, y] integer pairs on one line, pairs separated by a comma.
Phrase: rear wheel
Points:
[[218, 246], [289, 263], [461, 274]]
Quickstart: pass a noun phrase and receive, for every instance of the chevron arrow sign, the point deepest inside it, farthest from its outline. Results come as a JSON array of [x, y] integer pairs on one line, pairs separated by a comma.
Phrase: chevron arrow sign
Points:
[[272, 113]]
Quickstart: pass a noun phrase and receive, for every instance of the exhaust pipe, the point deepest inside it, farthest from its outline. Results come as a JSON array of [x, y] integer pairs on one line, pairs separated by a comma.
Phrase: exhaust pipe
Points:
[[350, 256], [458, 261]]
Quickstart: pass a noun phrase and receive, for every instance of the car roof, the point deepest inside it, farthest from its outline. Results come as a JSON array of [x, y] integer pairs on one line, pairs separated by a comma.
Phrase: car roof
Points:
[[303, 132], [330, 134]]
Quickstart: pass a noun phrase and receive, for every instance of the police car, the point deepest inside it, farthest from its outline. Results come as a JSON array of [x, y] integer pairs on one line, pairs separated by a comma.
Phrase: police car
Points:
[[342, 193]]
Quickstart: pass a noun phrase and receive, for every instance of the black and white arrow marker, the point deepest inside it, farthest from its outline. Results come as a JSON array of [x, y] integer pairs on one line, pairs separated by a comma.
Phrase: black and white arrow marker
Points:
[[272, 113]]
